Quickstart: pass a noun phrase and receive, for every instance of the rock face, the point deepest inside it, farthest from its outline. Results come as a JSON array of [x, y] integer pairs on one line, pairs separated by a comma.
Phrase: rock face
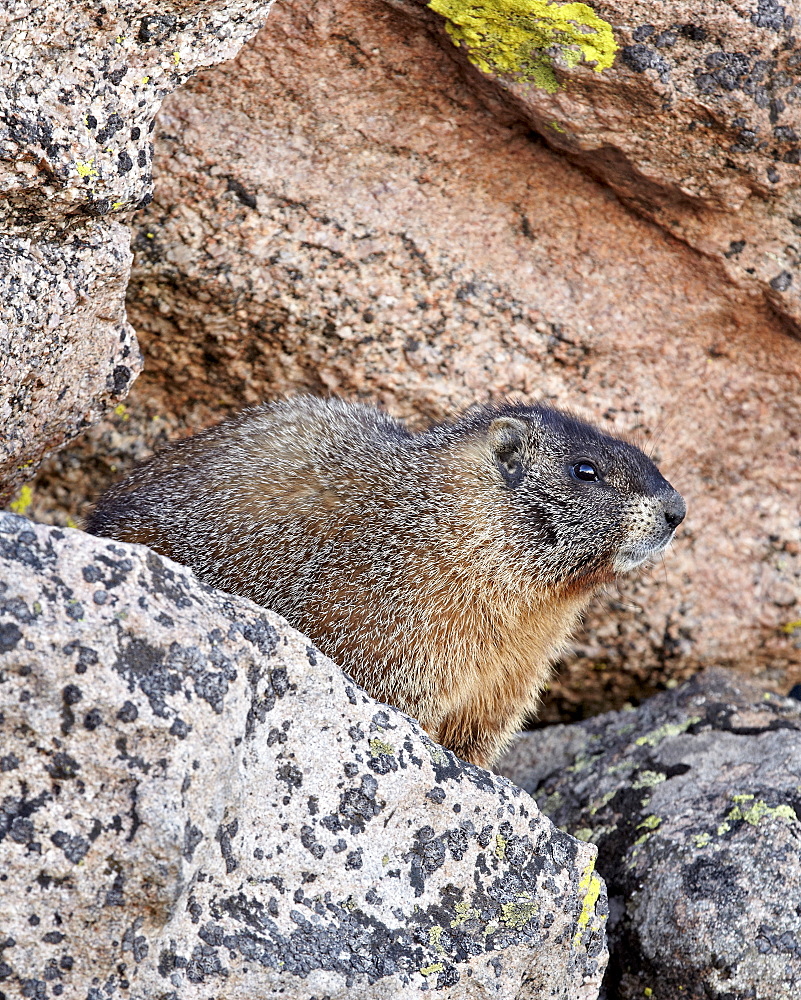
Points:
[[691, 114], [194, 801], [694, 803], [336, 210], [80, 86]]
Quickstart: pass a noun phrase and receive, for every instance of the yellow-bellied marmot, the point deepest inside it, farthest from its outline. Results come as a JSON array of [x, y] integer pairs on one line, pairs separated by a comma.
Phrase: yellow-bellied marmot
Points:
[[443, 570]]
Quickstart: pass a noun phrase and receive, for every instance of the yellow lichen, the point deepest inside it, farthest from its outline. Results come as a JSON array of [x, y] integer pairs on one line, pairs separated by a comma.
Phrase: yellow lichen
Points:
[[590, 884], [791, 627], [434, 936], [23, 501], [647, 779], [500, 847], [429, 970], [759, 810], [518, 913], [379, 748], [702, 839], [85, 169], [652, 739], [464, 912], [521, 37]]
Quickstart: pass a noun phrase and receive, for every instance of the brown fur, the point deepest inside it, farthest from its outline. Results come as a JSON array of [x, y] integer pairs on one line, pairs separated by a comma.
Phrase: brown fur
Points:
[[443, 570]]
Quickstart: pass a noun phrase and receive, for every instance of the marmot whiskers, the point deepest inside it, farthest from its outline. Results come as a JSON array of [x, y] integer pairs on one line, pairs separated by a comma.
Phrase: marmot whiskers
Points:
[[443, 570]]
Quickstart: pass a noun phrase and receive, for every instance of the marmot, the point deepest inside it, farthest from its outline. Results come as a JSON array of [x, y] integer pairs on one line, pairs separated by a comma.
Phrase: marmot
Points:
[[444, 570]]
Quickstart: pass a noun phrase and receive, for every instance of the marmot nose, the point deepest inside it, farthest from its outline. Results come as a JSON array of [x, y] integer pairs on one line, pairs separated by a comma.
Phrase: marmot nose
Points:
[[674, 509]]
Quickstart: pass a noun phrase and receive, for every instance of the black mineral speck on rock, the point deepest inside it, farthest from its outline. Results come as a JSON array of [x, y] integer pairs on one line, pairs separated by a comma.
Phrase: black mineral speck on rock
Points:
[[642, 57], [10, 636], [781, 282]]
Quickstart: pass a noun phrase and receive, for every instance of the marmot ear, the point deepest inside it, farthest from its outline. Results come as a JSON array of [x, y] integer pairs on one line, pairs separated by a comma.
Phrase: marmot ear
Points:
[[506, 436]]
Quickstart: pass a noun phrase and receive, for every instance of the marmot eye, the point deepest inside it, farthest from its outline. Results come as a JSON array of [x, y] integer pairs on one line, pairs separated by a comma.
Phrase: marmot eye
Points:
[[586, 472]]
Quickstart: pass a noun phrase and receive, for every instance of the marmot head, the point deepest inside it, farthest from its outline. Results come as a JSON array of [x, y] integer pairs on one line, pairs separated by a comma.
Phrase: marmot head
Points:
[[579, 506]]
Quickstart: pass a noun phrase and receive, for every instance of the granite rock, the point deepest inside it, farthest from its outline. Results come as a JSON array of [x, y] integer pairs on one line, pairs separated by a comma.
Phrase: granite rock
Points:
[[690, 112], [694, 801], [80, 85], [67, 351], [195, 802]]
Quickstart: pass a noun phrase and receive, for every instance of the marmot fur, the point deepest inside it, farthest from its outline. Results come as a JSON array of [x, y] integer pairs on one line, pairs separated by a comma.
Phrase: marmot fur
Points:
[[444, 570]]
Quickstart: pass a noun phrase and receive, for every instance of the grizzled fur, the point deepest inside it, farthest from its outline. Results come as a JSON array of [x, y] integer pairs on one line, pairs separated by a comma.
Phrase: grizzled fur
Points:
[[444, 570]]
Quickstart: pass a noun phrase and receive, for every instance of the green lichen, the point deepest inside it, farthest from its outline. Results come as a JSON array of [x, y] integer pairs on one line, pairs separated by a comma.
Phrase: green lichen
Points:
[[583, 761], [758, 810], [518, 913], [723, 828], [464, 912], [604, 800], [434, 936], [521, 37], [379, 748], [702, 839], [590, 884], [23, 501], [669, 729], [500, 847], [550, 805], [436, 753], [583, 834], [647, 779], [649, 824]]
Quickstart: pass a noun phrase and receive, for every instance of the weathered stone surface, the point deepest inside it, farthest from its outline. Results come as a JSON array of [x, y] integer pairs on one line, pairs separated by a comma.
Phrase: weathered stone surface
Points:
[[80, 85], [692, 113], [337, 211], [67, 351], [694, 801], [195, 802]]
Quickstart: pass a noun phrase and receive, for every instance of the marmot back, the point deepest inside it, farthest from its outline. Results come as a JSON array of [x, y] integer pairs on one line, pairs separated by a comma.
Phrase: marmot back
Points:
[[443, 570]]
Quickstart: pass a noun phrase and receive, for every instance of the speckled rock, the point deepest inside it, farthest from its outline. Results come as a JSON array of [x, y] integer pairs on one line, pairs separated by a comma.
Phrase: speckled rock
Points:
[[80, 85], [67, 351], [194, 802], [691, 112], [336, 211], [694, 801]]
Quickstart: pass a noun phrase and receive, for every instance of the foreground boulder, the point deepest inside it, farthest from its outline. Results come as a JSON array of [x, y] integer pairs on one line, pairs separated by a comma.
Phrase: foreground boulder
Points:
[[195, 802], [694, 802]]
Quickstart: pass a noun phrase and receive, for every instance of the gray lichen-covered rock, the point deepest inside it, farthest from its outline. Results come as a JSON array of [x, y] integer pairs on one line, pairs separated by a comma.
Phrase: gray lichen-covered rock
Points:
[[67, 351], [694, 802], [80, 85], [195, 803]]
